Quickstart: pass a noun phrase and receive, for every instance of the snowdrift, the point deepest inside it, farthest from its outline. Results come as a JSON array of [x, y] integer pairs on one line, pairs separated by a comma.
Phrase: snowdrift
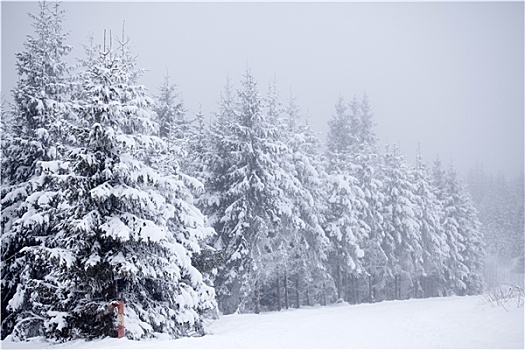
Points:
[[452, 322]]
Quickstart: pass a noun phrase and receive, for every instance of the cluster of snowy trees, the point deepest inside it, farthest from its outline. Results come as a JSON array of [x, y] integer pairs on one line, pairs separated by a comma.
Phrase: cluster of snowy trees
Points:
[[500, 206], [94, 207], [348, 224], [110, 194]]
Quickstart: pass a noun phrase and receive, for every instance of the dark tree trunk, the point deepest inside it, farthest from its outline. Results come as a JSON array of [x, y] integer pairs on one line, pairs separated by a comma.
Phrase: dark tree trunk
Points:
[[354, 285], [349, 291], [396, 285], [338, 272], [286, 304], [257, 298], [308, 302], [370, 292], [355, 291], [278, 292], [297, 301], [348, 287]]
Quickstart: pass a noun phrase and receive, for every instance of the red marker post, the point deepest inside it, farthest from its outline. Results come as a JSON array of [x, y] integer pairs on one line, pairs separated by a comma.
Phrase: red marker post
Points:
[[119, 305], [120, 319]]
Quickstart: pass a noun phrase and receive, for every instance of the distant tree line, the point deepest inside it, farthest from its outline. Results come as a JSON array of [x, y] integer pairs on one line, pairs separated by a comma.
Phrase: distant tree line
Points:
[[499, 203], [108, 193]]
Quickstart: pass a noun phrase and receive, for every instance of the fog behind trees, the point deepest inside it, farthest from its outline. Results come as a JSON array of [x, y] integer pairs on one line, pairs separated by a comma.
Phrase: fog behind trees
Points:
[[446, 75]]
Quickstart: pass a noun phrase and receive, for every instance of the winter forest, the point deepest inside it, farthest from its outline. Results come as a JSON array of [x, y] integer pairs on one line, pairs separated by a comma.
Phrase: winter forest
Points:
[[114, 191]]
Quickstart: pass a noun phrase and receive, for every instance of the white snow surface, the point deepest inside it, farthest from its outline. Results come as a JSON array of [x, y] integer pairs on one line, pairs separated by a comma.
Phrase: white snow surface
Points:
[[452, 322]]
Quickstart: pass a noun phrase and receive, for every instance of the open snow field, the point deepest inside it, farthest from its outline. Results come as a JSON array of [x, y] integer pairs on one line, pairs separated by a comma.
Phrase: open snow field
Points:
[[453, 322]]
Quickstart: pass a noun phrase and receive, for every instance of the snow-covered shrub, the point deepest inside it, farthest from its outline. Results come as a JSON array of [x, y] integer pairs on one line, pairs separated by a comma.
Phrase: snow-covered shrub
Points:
[[505, 296]]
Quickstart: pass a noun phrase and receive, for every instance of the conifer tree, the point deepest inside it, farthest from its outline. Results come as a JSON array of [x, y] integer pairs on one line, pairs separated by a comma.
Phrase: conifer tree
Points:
[[125, 227], [32, 152], [461, 217], [517, 225], [402, 231], [245, 202], [138, 226], [306, 253], [499, 204], [344, 199], [171, 116], [456, 271], [429, 215], [198, 147], [367, 171]]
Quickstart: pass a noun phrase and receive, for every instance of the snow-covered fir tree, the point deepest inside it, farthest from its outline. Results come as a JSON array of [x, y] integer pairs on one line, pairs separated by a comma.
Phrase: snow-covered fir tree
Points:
[[198, 153], [499, 203], [461, 212], [171, 117], [465, 249], [126, 227], [429, 215], [450, 229], [301, 257], [344, 199], [402, 230], [32, 147], [198, 146], [138, 225], [245, 201], [367, 171]]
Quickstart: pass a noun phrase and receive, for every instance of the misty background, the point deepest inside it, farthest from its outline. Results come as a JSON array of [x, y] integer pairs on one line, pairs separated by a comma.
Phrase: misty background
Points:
[[447, 75]]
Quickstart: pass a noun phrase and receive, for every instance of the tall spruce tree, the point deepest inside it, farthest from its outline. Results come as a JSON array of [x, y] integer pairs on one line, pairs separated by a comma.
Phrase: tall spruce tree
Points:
[[31, 154], [135, 233], [125, 227], [171, 117], [245, 202], [304, 257], [344, 199], [429, 215], [455, 269], [499, 204], [402, 231], [460, 211], [198, 147], [367, 171]]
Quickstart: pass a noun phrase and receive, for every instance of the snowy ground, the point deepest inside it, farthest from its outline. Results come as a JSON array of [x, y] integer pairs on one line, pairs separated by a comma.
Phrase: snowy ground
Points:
[[453, 322]]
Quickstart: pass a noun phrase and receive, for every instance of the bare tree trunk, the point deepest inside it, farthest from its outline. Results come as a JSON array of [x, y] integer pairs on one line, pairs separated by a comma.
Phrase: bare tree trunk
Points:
[[278, 292], [338, 281], [396, 282], [297, 301], [286, 304], [346, 288], [308, 297], [257, 298], [391, 288], [370, 293], [388, 289], [398, 287], [353, 282], [324, 295], [350, 288], [355, 289]]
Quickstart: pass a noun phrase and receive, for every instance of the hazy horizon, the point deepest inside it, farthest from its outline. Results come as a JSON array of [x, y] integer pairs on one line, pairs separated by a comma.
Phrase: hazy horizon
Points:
[[446, 75]]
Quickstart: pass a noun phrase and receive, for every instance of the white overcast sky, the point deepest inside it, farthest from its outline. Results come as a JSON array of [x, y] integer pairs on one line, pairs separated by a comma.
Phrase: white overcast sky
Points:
[[447, 75]]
